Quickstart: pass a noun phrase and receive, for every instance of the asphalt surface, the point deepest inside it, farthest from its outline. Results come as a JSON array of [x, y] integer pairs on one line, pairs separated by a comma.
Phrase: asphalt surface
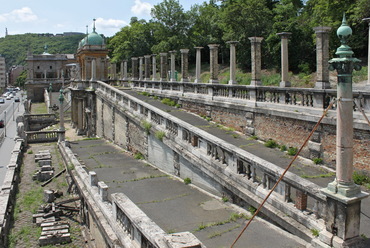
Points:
[[177, 207]]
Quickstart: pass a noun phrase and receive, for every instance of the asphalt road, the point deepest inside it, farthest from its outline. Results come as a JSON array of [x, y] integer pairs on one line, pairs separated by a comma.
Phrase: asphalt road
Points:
[[12, 110]]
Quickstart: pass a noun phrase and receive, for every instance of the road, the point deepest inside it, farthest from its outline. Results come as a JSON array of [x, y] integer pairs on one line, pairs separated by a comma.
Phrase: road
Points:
[[8, 111]]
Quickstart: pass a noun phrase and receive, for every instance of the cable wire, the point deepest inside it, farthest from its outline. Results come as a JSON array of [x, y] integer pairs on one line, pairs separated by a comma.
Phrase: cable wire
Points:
[[285, 171]]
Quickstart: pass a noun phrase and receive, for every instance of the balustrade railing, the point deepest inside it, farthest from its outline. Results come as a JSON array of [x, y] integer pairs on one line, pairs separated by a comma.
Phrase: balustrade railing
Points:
[[247, 170], [305, 97], [42, 136]]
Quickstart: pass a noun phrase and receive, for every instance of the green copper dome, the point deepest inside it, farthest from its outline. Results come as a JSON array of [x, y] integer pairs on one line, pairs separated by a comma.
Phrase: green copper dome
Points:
[[92, 39]]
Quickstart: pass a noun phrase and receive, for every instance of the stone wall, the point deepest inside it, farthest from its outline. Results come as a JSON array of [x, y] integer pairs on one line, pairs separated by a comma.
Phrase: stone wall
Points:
[[285, 129], [8, 192]]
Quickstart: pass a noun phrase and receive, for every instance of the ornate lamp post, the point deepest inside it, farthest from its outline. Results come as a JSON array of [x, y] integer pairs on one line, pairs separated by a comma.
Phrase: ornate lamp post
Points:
[[343, 195], [61, 116]]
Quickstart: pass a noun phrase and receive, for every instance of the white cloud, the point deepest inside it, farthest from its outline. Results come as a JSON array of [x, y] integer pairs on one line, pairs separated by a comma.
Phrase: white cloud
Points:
[[141, 8], [24, 14], [109, 23]]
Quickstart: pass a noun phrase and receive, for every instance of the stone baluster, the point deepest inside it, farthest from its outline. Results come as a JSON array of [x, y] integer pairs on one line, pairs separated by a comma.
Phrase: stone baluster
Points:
[[135, 75], [232, 61], [172, 77], [147, 67], [284, 59], [184, 65], [213, 63], [163, 76], [154, 67]]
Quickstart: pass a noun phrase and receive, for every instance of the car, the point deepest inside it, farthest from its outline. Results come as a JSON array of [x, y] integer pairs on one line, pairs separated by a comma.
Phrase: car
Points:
[[2, 100], [8, 98], [1, 123], [16, 99]]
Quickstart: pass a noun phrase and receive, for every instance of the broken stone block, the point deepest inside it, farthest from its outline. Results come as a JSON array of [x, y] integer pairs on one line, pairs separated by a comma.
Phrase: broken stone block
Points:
[[44, 162], [49, 196], [47, 168]]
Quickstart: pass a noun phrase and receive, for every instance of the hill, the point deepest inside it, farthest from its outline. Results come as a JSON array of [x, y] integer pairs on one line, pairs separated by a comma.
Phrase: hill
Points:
[[14, 47]]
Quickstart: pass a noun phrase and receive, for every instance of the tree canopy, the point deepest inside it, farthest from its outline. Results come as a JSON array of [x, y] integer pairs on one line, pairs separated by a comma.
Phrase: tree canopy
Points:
[[216, 21]]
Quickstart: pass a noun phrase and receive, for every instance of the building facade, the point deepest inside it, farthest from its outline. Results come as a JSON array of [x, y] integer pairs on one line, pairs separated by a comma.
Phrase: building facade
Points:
[[2, 73]]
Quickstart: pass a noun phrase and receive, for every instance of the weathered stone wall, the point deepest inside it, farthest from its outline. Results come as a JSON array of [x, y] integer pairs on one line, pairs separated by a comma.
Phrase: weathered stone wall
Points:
[[99, 113], [286, 131], [137, 141], [108, 121], [120, 127], [160, 154]]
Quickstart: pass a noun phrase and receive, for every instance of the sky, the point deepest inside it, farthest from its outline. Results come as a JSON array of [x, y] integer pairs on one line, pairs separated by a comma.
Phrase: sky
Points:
[[40, 16]]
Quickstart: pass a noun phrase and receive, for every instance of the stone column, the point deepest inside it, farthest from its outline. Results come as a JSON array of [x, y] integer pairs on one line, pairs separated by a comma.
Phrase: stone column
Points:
[[368, 55], [124, 77], [163, 76], [147, 67], [93, 70], [61, 116], [184, 65], [213, 63], [141, 68], [114, 71], [154, 67], [284, 59], [256, 60], [322, 57], [232, 61], [135, 75], [198, 64], [173, 67], [343, 195]]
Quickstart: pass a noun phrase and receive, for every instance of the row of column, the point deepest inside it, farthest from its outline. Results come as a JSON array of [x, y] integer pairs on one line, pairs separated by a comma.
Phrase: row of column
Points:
[[143, 66]]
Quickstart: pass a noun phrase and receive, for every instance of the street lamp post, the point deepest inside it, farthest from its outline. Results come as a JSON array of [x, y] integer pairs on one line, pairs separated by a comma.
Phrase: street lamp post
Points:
[[61, 116], [13, 111], [5, 123]]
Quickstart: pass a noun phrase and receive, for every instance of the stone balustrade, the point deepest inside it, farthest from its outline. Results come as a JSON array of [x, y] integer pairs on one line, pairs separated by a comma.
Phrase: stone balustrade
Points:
[[231, 166], [42, 136]]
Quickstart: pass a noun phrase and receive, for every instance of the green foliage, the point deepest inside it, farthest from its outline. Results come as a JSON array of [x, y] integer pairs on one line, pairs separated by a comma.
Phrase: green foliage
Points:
[[14, 47], [252, 209], [271, 143], [315, 232], [160, 135], [30, 152], [360, 178], [138, 155], [317, 160], [147, 126], [225, 199], [283, 148], [187, 180], [168, 102], [292, 151]]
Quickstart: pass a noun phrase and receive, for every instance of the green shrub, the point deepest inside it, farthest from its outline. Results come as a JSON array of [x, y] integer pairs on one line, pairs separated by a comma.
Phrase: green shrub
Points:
[[225, 199], [252, 209], [292, 151], [187, 180], [138, 155], [147, 126], [283, 148], [160, 135], [271, 143], [30, 152], [317, 160], [168, 102], [315, 232], [360, 178]]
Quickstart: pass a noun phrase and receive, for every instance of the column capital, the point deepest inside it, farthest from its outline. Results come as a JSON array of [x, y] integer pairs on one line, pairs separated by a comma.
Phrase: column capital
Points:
[[322, 29], [185, 50], [163, 54], [284, 35], [172, 52], [255, 39], [232, 42], [134, 58], [213, 46]]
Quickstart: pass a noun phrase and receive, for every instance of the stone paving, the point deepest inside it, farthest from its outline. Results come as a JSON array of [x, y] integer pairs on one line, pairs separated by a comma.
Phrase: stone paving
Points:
[[172, 204]]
